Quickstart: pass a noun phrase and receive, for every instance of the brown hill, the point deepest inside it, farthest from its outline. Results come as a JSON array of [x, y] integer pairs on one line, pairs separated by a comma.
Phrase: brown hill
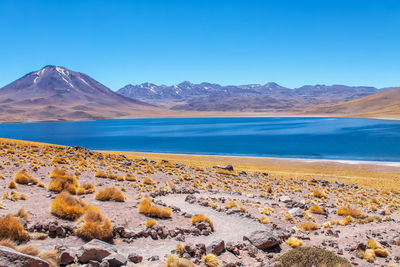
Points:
[[383, 104], [57, 93]]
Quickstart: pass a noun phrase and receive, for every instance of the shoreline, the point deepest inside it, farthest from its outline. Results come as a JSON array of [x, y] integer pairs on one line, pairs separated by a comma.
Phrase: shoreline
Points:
[[215, 115], [364, 173]]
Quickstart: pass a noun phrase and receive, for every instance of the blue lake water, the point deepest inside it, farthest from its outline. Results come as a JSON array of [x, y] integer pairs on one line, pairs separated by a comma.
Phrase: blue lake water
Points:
[[321, 138]]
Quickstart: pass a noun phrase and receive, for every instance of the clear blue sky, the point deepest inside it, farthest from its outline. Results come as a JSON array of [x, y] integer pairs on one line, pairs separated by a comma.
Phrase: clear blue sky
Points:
[[229, 42]]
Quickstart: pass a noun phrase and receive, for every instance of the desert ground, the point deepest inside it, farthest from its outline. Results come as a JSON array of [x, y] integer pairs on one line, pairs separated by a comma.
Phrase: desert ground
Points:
[[186, 210]]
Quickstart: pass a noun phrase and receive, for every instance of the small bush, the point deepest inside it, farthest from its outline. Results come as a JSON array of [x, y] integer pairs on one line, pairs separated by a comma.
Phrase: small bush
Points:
[[308, 226], [23, 177], [12, 184], [28, 249], [310, 256], [232, 204], [67, 207], [110, 193], [264, 220], [316, 209], [319, 193], [347, 211], [22, 213], [151, 223], [294, 242], [202, 218], [369, 255], [147, 208], [50, 256], [211, 260], [95, 225], [85, 189], [8, 243], [61, 180], [12, 228], [175, 261], [148, 181]]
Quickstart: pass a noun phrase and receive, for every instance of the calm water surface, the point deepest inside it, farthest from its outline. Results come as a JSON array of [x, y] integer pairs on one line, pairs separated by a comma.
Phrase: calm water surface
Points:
[[324, 138]]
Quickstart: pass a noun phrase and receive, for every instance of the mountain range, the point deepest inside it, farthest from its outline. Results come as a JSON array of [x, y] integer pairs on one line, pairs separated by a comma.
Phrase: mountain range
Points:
[[269, 97], [55, 93]]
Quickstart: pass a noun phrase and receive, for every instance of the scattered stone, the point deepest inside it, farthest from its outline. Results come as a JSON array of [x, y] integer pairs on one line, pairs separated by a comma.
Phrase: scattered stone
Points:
[[135, 258], [115, 260], [95, 250], [10, 257], [263, 239]]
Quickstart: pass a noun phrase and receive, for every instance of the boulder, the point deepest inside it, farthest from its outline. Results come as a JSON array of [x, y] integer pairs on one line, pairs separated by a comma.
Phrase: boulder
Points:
[[216, 247], [263, 239], [285, 199], [115, 260], [295, 212], [95, 250], [66, 257], [12, 258], [135, 258]]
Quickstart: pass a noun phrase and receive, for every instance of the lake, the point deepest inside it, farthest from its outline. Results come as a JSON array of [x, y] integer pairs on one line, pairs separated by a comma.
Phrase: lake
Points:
[[286, 137]]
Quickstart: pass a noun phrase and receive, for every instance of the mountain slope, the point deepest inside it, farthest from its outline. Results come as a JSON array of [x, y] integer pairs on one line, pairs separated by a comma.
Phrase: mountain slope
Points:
[[269, 97], [57, 93], [382, 104]]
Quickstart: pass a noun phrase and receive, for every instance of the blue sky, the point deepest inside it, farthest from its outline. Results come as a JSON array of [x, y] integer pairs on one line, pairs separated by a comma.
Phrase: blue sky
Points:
[[228, 42]]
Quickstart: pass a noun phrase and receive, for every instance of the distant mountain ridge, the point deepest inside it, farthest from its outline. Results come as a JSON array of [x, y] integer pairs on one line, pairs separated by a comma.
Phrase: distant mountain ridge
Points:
[[250, 97], [57, 93]]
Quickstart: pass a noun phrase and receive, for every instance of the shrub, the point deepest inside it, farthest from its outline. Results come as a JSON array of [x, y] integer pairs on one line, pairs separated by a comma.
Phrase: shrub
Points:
[[294, 242], [8, 243], [316, 209], [12, 184], [346, 221], [348, 211], [110, 193], [95, 225], [319, 193], [175, 261], [264, 220], [12, 228], [148, 181], [67, 207], [147, 208], [202, 218], [368, 255], [381, 252], [232, 204], [23, 177], [211, 260], [50, 256], [310, 256], [373, 244], [22, 213], [28, 249], [150, 223], [308, 226], [61, 180], [85, 189]]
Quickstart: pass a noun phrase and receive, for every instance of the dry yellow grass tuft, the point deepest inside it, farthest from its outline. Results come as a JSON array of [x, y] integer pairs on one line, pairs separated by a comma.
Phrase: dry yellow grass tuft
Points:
[[202, 218], [51, 256], [175, 261], [348, 211], [264, 220], [211, 260], [111, 193], [368, 255], [61, 180], [232, 204], [28, 249], [22, 213], [12, 228], [95, 225], [8, 243], [147, 208], [316, 209], [23, 177], [85, 189], [67, 207], [319, 193], [308, 226], [294, 242], [373, 244], [12, 184], [150, 223]]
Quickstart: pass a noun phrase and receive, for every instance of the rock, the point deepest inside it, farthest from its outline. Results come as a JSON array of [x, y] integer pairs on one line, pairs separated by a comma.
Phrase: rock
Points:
[[216, 247], [263, 239], [229, 167], [66, 257], [60, 231], [285, 199], [95, 250], [135, 258], [153, 258], [296, 212], [115, 260], [10, 258]]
